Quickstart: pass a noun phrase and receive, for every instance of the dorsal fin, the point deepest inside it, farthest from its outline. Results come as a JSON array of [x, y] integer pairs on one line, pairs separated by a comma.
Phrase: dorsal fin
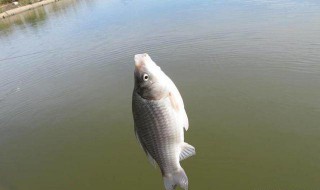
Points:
[[186, 151]]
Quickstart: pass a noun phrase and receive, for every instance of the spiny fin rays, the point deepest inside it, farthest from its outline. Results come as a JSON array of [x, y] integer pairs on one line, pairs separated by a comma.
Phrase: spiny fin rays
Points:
[[187, 150]]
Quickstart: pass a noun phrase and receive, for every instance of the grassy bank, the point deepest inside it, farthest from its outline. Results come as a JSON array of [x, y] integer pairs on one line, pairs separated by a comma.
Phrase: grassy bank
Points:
[[24, 5], [4, 2], [6, 5], [22, 2]]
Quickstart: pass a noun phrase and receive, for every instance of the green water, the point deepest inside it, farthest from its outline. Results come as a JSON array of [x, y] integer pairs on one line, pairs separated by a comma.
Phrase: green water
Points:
[[249, 73]]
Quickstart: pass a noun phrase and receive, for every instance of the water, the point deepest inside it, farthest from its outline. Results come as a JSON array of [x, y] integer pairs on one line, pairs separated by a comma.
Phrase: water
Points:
[[249, 73]]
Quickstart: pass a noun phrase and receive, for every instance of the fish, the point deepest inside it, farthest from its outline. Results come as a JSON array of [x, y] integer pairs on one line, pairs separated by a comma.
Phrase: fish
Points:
[[160, 121]]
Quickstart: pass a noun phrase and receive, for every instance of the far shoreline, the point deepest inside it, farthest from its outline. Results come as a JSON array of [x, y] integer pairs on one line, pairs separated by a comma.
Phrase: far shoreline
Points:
[[21, 9]]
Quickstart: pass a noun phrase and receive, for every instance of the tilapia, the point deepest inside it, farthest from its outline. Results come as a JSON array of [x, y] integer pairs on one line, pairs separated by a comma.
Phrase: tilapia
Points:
[[160, 120]]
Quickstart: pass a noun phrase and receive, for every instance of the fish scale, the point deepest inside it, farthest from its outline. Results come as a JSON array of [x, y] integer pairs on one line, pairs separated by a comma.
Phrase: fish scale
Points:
[[156, 127]]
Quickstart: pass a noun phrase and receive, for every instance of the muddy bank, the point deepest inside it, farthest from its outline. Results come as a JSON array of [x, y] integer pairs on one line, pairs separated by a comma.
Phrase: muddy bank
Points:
[[25, 8]]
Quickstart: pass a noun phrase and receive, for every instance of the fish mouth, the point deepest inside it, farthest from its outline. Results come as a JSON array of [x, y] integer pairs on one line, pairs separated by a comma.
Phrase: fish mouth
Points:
[[141, 59], [144, 60]]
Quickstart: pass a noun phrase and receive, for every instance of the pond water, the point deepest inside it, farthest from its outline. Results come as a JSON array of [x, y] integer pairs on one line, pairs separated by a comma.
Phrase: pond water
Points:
[[249, 73]]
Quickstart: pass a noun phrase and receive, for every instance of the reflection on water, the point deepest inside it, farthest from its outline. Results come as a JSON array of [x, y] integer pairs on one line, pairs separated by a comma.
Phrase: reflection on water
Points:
[[36, 17], [248, 71]]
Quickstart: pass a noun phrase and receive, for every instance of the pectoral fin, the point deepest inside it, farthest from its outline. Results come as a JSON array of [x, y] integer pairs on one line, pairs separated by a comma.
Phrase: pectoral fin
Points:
[[178, 106]]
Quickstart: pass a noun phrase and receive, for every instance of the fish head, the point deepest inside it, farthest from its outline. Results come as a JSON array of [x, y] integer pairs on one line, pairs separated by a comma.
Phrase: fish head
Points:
[[151, 82]]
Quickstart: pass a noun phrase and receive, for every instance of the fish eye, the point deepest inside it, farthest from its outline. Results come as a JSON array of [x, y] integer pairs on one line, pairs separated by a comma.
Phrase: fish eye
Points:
[[145, 77]]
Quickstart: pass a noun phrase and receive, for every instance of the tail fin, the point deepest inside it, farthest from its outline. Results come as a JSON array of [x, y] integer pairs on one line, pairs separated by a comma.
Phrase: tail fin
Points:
[[171, 181]]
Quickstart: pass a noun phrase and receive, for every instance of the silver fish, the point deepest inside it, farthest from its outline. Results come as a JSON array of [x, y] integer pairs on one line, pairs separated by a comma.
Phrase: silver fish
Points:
[[160, 120]]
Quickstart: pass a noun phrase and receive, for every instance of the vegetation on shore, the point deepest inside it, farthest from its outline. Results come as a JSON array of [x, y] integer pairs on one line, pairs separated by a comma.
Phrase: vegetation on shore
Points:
[[8, 4], [4, 1], [21, 2]]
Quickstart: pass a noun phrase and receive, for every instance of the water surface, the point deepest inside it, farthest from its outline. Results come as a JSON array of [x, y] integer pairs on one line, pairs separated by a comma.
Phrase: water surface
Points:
[[249, 73]]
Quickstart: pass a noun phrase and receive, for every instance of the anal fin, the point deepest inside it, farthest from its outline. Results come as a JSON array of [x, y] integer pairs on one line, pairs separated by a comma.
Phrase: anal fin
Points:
[[187, 150]]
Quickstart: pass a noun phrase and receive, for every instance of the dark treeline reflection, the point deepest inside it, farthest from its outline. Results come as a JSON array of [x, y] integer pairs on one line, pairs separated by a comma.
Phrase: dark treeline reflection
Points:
[[37, 17]]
